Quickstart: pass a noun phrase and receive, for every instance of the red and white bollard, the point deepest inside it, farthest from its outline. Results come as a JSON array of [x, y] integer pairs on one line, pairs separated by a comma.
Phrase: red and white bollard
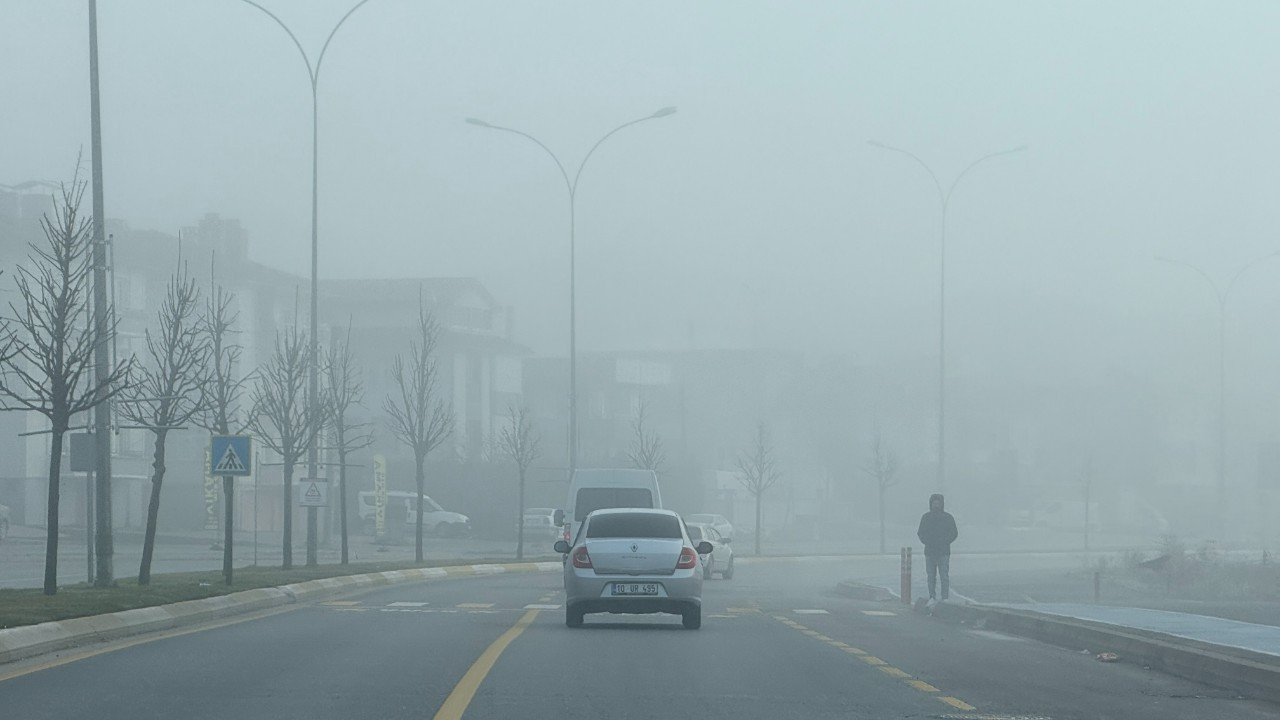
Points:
[[906, 575]]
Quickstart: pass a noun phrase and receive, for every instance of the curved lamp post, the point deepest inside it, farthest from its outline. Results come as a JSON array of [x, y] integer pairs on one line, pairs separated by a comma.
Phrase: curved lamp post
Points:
[[944, 199], [1221, 295], [313, 460], [571, 184]]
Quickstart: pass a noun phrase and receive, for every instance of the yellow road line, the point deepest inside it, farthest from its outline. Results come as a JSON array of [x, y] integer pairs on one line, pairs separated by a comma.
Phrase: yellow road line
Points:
[[894, 672], [456, 704], [854, 651], [115, 645], [922, 686], [872, 660], [956, 703]]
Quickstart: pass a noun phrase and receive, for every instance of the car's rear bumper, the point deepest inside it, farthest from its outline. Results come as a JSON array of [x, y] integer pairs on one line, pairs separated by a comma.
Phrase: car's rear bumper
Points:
[[588, 592]]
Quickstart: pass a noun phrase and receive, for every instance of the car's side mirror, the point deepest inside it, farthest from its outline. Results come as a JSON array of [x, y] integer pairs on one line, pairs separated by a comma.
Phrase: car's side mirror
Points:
[[705, 548], [562, 547], [558, 519]]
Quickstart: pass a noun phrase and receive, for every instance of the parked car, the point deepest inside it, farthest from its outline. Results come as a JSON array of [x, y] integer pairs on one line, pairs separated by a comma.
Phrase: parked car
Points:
[[719, 522], [720, 559], [633, 561], [4, 522], [435, 519], [540, 523]]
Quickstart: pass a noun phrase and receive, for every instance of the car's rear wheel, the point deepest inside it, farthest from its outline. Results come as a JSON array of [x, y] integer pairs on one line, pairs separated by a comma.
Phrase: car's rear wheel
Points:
[[728, 571], [692, 618], [572, 617]]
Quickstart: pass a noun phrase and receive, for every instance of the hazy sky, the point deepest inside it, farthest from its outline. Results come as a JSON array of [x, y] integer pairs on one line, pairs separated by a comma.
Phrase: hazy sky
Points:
[[1151, 127]]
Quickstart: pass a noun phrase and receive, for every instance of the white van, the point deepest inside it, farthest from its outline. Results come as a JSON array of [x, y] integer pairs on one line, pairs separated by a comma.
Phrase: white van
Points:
[[435, 519], [607, 488]]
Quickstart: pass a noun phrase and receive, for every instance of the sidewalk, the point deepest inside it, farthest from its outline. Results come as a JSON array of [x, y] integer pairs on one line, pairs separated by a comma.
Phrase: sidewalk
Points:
[[1263, 639]]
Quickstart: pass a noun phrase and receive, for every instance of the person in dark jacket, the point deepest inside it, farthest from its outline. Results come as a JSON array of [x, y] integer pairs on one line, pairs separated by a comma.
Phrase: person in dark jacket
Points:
[[937, 532]]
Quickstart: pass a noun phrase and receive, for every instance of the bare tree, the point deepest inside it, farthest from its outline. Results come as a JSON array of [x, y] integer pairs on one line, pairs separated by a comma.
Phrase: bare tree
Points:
[[758, 470], [281, 417], [646, 451], [518, 441], [419, 418], [165, 393], [223, 390], [49, 369], [882, 466], [342, 375]]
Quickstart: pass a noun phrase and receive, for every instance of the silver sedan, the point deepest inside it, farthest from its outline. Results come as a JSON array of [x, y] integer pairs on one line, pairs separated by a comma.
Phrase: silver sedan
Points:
[[631, 561]]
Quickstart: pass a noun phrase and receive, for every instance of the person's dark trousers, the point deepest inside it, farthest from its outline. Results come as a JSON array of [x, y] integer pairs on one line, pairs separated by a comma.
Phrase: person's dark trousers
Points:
[[936, 565]]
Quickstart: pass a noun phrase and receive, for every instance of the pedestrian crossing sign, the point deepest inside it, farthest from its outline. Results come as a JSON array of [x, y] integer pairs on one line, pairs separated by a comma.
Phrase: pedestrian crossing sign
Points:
[[230, 455]]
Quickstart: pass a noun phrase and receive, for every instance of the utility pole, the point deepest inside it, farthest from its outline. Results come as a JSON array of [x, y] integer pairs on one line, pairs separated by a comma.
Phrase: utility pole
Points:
[[105, 574]]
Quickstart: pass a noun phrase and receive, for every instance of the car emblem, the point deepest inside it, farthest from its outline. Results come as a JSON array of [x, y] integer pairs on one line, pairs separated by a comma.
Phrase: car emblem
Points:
[[635, 547]]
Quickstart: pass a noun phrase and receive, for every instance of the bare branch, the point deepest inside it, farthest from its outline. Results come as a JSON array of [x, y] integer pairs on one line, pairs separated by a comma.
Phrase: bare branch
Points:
[[419, 418], [757, 467], [646, 452], [518, 440], [220, 405]]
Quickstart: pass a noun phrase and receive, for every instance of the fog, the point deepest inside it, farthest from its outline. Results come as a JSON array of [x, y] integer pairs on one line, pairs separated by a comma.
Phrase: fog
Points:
[[758, 217]]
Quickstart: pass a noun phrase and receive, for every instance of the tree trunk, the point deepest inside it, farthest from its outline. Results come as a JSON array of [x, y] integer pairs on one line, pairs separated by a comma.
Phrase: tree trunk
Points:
[[418, 479], [153, 510], [520, 521], [51, 542], [288, 514], [758, 499], [228, 528], [342, 494], [882, 519]]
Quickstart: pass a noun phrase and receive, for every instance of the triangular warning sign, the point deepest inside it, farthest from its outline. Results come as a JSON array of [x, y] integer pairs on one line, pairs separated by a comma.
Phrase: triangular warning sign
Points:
[[313, 492], [230, 462]]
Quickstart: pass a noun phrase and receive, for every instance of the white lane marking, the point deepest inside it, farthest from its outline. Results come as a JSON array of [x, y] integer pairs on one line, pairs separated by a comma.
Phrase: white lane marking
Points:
[[811, 612], [406, 604], [995, 636], [879, 613], [475, 606], [341, 603], [536, 606]]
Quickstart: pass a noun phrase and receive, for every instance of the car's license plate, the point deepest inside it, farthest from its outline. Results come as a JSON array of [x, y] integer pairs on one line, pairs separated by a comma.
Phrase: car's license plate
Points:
[[635, 588]]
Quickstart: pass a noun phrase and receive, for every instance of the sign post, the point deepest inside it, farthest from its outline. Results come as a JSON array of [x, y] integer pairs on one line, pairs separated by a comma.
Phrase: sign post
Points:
[[906, 576], [84, 458], [231, 456], [314, 492]]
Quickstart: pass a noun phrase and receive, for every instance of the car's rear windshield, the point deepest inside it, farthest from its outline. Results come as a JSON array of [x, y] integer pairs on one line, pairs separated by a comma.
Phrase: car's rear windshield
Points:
[[634, 525], [591, 499]]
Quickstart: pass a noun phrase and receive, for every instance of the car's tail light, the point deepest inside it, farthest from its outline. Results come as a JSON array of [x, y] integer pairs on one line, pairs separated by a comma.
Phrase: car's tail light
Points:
[[688, 559], [581, 559], [566, 535]]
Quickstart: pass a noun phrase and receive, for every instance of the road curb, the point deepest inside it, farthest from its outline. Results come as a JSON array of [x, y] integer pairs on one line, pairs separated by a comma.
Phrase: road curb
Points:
[[863, 591], [1253, 674], [27, 641]]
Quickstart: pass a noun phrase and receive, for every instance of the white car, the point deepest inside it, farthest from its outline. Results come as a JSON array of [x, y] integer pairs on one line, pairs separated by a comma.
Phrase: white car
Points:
[[540, 522], [633, 561], [720, 559], [719, 522], [4, 522]]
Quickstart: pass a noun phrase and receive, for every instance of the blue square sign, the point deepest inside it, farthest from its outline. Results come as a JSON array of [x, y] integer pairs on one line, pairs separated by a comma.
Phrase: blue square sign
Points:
[[230, 455]]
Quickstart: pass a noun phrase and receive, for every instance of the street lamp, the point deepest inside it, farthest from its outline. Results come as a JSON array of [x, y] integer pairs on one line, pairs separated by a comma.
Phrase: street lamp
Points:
[[1221, 295], [572, 186], [313, 460], [944, 198]]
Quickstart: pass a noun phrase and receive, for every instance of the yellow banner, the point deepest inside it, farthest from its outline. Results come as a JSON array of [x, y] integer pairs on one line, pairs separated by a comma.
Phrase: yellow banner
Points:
[[379, 494]]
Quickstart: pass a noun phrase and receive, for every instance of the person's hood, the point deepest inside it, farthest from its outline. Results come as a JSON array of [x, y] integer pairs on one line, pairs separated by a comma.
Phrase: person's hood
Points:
[[942, 502]]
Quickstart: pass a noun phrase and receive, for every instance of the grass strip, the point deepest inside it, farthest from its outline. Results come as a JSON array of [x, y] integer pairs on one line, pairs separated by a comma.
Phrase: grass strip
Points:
[[30, 606]]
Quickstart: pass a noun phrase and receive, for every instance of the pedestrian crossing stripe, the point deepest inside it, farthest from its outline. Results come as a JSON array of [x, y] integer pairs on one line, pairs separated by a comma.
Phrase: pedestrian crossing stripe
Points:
[[230, 462], [475, 606], [879, 613], [811, 612], [537, 606], [406, 604]]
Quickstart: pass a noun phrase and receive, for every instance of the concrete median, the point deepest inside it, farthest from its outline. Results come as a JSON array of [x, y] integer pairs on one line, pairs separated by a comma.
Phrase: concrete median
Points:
[[1253, 674]]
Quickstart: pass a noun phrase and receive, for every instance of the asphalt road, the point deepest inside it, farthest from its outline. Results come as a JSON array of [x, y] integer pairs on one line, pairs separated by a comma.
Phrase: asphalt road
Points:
[[775, 644]]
